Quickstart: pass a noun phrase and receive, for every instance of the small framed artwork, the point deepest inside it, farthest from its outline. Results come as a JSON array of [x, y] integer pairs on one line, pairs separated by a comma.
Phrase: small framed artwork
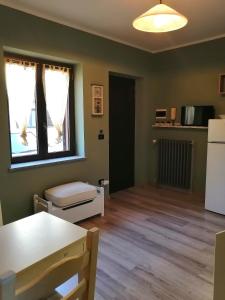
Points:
[[97, 100]]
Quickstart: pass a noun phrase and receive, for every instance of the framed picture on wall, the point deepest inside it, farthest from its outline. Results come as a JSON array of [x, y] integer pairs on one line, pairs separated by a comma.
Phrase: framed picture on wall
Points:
[[97, 100]]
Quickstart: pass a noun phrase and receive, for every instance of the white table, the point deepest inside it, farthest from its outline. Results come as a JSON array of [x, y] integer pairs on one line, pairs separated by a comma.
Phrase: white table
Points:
[[31, 245]]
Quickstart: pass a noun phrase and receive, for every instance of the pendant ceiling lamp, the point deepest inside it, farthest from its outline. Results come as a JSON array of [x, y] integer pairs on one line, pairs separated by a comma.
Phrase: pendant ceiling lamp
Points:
[[160, 18]]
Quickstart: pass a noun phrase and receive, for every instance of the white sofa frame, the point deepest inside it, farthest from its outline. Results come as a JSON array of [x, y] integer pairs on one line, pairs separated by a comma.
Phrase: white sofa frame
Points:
[[75, 212]]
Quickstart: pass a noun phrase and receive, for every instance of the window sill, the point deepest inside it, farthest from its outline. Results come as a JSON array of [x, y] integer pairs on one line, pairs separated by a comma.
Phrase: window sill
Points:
[[46, 162]]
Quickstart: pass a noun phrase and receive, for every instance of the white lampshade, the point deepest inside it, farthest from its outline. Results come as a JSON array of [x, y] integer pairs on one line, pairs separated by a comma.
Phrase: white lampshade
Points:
[[160, 18]]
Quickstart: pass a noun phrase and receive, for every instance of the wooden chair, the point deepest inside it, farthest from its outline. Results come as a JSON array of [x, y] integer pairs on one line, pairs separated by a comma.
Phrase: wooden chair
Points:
[[1, 221], [43, 287], [219, 270]]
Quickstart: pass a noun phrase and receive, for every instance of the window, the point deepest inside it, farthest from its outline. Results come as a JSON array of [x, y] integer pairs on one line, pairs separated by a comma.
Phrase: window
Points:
[[41, 108]]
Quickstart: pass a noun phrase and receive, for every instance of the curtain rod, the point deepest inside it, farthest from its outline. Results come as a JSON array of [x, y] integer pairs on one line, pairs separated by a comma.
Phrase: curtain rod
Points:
[[22, 61], [56, 66]]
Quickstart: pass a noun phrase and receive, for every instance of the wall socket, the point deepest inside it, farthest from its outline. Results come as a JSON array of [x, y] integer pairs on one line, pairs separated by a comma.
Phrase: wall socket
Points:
[[101, 135], [103, 182]]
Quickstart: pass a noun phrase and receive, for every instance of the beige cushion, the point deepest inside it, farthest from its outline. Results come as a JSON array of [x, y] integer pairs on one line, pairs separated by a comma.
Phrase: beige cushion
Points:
[[70, 193]]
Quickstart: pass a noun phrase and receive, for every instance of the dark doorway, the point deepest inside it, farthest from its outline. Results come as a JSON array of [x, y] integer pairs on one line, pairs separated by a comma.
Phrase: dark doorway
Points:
[[121, 132]]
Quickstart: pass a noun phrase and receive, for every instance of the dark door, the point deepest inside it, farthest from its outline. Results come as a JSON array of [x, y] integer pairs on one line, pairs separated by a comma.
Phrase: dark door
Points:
[[121, 132]]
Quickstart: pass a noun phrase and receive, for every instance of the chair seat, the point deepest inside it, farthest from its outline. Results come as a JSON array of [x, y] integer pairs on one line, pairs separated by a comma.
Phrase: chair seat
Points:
[[55, 296]]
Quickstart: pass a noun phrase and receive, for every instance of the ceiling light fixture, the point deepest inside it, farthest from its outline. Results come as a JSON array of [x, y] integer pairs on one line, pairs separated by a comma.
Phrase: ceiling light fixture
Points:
[[160, 18]]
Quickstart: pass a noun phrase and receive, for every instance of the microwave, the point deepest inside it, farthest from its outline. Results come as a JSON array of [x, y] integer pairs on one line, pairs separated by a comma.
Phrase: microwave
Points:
[[197, 115]]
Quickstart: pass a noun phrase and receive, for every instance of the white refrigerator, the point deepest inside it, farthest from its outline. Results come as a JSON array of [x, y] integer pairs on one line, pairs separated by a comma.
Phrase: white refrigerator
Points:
[[215, 172]]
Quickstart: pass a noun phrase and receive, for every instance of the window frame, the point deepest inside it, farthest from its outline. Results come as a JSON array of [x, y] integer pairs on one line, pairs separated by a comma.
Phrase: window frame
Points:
[[41, 112]]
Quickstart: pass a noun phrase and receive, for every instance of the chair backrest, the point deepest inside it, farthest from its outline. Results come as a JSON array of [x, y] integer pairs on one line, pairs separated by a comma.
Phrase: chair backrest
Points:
[[43, 286], [219, 271], [1, 221]]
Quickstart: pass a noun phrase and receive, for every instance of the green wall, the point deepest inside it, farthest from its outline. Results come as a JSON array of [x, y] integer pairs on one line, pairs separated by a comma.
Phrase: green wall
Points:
[[96, 57], [185, 76]]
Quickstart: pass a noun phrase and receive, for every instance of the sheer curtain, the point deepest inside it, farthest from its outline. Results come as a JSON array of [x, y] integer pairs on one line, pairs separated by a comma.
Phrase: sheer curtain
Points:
[[20, 82], [56, 85]]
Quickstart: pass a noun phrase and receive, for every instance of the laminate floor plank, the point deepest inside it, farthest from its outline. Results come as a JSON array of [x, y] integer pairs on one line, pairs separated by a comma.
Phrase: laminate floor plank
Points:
[[175, 213], [156, 244]]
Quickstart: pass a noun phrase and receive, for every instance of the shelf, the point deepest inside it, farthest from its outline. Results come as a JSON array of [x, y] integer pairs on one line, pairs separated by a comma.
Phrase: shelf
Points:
[[179, 126]]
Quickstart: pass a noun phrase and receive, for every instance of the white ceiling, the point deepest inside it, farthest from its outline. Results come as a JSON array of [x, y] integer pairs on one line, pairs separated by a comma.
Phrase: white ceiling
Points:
[[113, 19]]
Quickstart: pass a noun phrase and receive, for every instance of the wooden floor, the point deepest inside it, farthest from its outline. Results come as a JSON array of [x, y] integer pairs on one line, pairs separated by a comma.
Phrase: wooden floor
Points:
[[155, 244]]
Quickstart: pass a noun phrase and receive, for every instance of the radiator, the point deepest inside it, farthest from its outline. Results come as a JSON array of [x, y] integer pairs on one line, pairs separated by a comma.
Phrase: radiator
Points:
[[175, 163]]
